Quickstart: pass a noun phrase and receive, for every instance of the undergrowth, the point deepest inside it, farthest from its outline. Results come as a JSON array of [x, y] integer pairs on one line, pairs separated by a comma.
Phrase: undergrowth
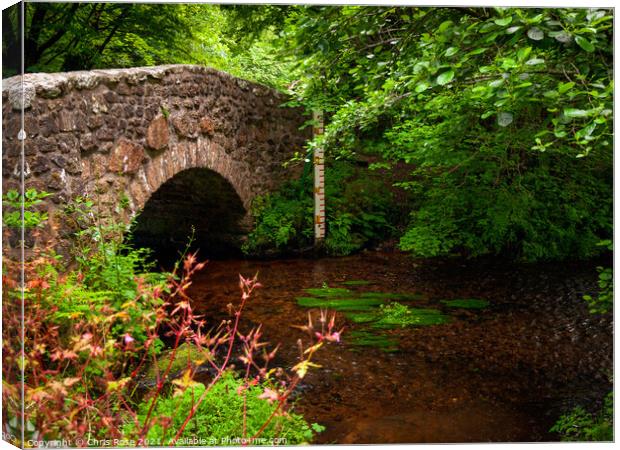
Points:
[[359, 212], [96, 320]]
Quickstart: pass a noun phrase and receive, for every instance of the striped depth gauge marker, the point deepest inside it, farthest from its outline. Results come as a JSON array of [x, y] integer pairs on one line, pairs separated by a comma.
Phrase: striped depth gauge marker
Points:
[[319, 181]]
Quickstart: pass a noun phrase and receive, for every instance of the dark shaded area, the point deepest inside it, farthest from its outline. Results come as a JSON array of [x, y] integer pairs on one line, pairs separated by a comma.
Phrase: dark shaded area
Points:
[[83, 36], [11, 40], [198, 199]]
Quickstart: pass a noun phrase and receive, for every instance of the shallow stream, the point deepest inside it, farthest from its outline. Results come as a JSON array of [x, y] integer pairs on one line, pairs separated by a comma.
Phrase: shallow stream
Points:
[[501, 372]]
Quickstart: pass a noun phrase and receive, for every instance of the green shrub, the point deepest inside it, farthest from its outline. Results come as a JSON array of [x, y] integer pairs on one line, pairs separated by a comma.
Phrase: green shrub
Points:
[[604, 301], [109, 274], [505, 116], [478, 192], [358, 208], [283, 221], [13, 201], [579, 425], [219, 418]]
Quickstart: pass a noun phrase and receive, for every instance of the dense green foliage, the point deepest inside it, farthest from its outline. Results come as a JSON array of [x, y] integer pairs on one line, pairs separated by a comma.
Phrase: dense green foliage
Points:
[[13, 201], [93, 321], [580, 425], [505, 115], [72, 36], [107, 277], [82, 36], [219, 418], [359, 211]]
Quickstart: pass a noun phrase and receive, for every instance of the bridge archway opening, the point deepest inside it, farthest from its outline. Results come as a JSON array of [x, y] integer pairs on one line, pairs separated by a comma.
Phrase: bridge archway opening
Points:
[[197, 199]]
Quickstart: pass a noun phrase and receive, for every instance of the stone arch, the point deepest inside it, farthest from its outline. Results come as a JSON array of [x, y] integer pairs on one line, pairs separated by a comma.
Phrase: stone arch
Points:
[[195, 202], [139, 177], [125, 132]]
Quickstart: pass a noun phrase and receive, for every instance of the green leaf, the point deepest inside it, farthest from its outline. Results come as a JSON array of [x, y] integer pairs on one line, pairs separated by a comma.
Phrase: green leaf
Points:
[[444, 26], [421, 87], [452, 51], [445, 77], [561, 36], [508, 63], [565, 87], [504, 21], [477, 51], [584, 44], [504, 119], [534, 62], [524, 53], [572, 112], [585, 132], [551, 94]]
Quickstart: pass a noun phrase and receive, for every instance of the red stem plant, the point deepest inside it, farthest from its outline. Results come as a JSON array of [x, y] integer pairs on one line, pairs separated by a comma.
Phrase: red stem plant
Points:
[[81, 372]]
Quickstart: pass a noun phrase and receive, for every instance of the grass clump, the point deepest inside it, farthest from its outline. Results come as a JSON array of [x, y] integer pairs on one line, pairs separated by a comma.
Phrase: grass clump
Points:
[[219, 418], [186, 355], [356, 283]]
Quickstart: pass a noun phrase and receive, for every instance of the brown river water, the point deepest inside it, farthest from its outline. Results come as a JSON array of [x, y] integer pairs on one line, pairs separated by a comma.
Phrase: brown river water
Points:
[[501, 374]]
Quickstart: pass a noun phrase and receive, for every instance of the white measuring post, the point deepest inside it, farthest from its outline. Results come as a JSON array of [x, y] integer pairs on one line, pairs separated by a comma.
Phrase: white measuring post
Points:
[[319, 181]]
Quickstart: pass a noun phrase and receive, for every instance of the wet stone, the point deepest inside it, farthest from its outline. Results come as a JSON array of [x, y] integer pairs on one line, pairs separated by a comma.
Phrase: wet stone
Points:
[[105, 134], [70, 163], [110, 97], [47, 126], [87, 142], [66, 121], [56, 180]]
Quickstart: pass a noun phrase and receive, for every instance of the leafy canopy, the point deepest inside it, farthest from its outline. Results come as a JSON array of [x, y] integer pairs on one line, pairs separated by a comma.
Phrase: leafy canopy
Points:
[[504, 116]]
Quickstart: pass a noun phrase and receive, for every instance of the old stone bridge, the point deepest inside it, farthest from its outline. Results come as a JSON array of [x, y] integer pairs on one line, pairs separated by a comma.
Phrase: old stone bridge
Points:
[[183, 145]]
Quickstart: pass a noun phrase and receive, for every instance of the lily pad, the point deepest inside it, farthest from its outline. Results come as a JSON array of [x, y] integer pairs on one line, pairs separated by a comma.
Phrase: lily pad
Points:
[[367, 339], [396, 315], [414, 317], [339, 304], [361, 317], [328, 292], [466, 303]]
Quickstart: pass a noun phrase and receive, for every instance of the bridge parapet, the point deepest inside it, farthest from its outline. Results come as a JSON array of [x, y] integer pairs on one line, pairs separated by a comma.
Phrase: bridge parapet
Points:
[[105, 132]]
